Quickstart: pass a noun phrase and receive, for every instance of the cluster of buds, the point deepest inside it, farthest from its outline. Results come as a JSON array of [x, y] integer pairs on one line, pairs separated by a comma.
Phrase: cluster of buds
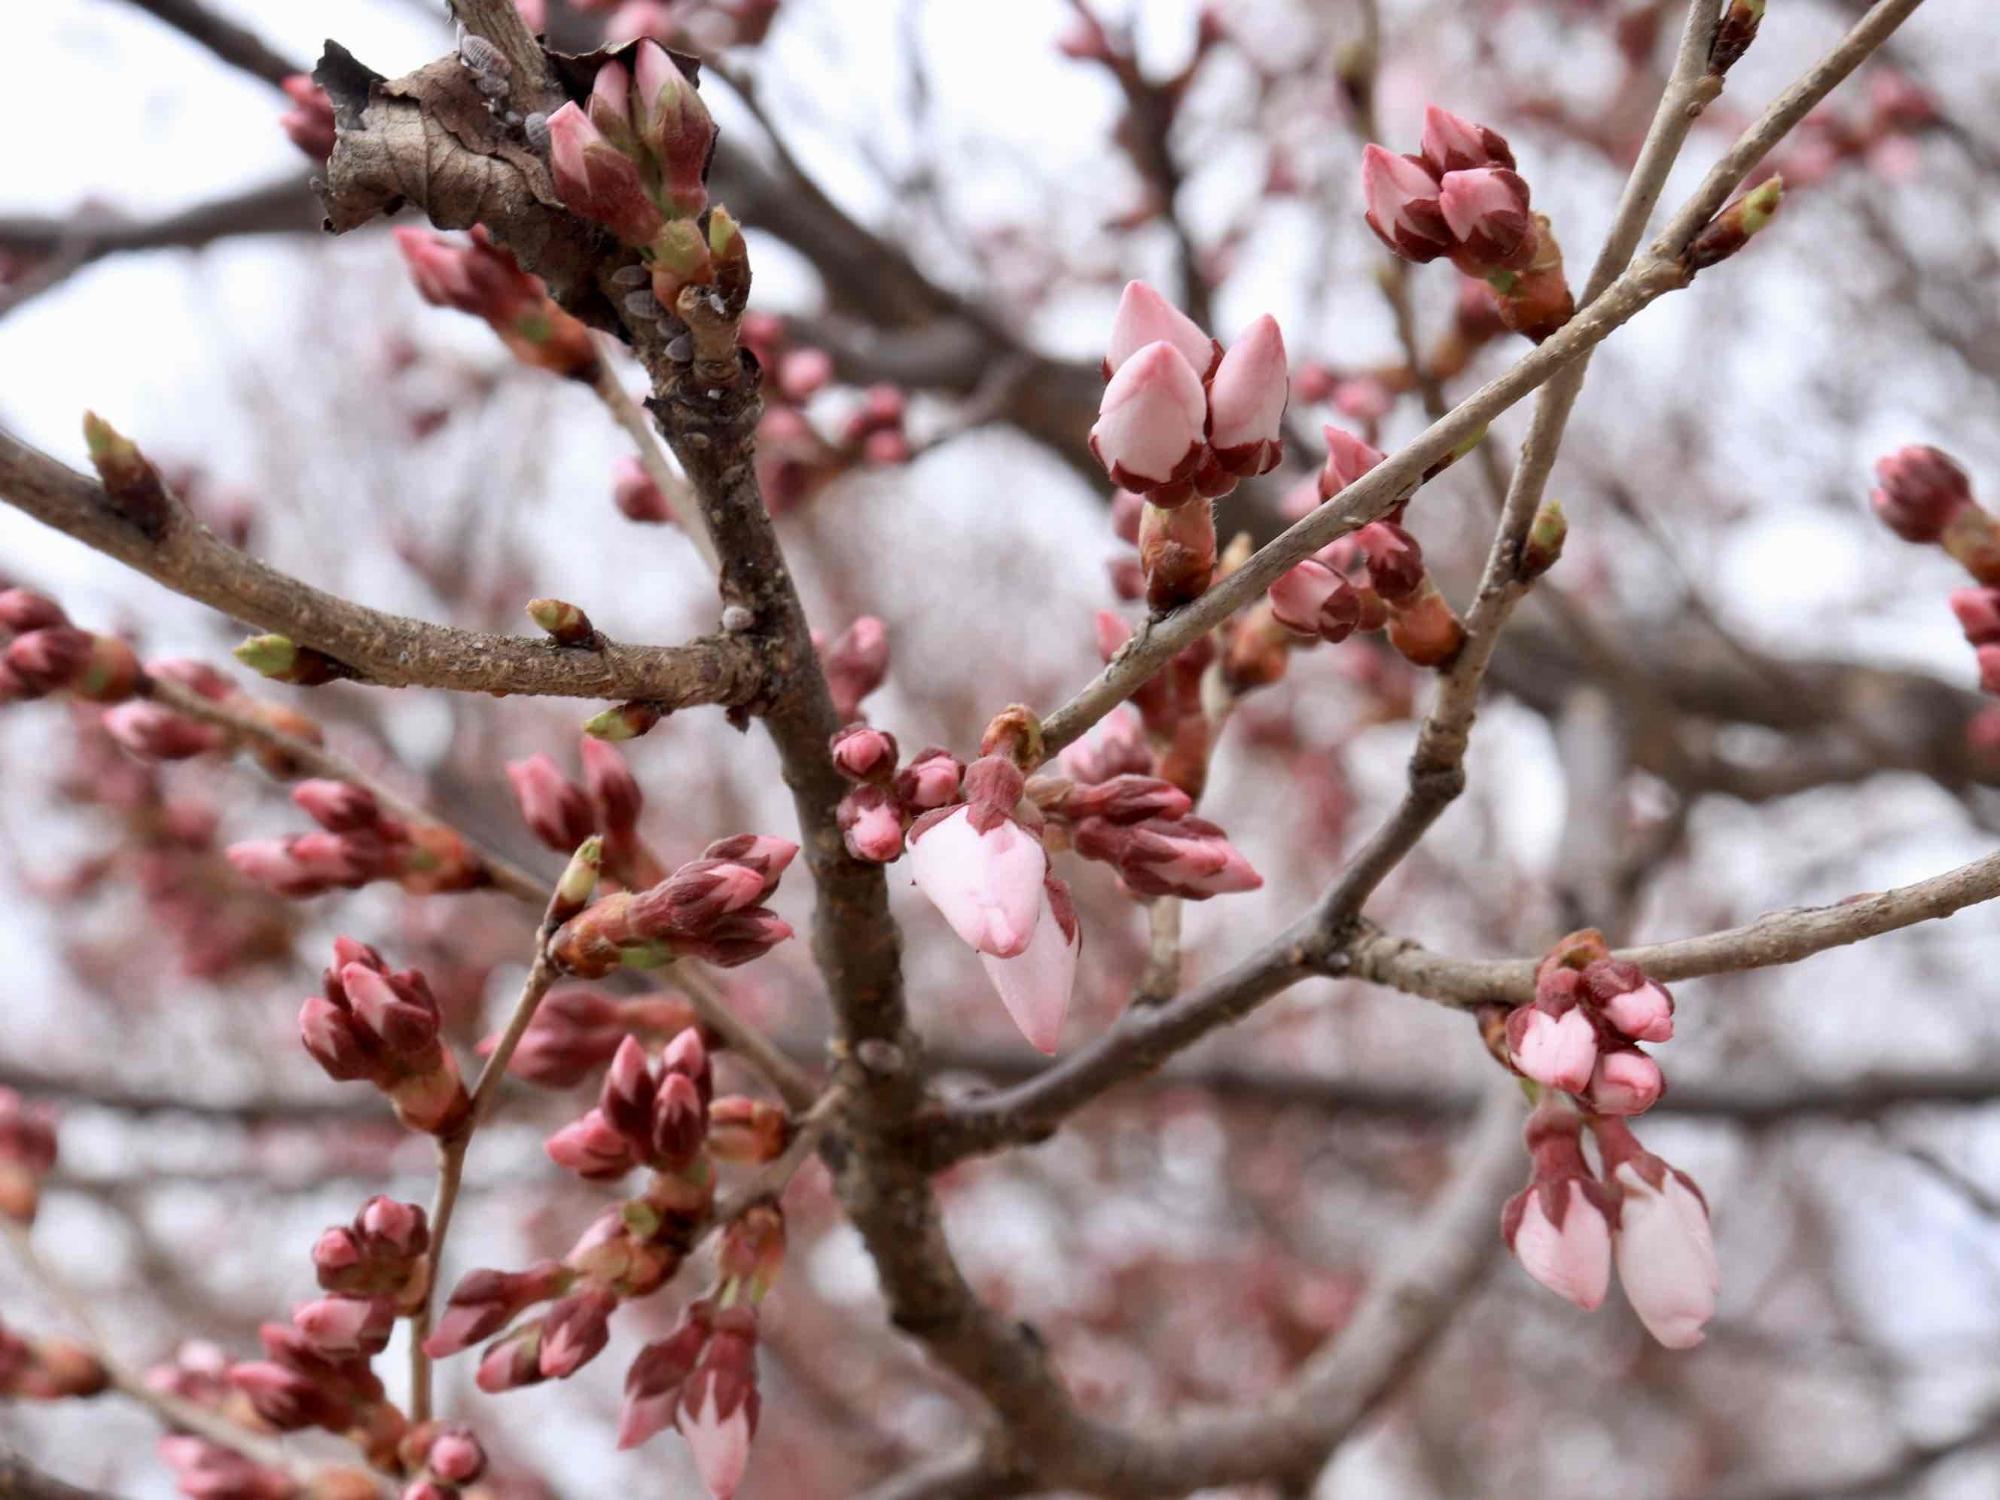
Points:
[[795, 458], [1461, 197], [1569, 1226], [876, 816], [357, 843], [27, 1154], [1372, 579], [300, 1385], [982, 864], [309, 122], [483, 279], [608, 803], [1580, 1032], [659, 1114], [577, 1030], [702, 1377], [710, 908], [1143, 827], [1180, 423], [47, 1369], [634, 159], [368, 1024], [44, 653]]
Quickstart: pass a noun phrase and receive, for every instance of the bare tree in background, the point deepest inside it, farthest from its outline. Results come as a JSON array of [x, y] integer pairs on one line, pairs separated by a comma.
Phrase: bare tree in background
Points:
[[1240, 1227]]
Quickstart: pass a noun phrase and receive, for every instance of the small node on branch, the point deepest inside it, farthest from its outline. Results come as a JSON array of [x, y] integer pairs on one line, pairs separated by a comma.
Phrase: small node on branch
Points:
[[131, 483], [625, 722], [1730, 230], [282, 659], [565, 623]]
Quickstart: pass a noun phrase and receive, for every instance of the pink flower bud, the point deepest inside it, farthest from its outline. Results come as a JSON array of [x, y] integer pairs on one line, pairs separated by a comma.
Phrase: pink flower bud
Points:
[[1128, 799], [485, 1301], [864, 754], [288, 1400], [24, 610], [1624, 1082], [1246, 400], [1395, 560], [653, 1383], [679, 1122], [346, 1327], [1347, 459], [456, 1456], [1148, 433], [1634, 1004], [397, 1010], [337, 806], [855, 665], [1312, 600], [626, 1098], [554, 807], [1978, 612], [1921, 490], [719, 1406], [1559, 1226], [737, 938], [675, 126], [1402, 198], [1145, 317], [1665, 1249], [1487, 209], [1453, 144], [1559, 1051], [1187, 857], [598, 181], [151, 732], [392, 1228], [50, 659], [929, 781], [987, 885], [871, 824], [593, 1148], [575, 1331], [334, 1042], [512, 1363]]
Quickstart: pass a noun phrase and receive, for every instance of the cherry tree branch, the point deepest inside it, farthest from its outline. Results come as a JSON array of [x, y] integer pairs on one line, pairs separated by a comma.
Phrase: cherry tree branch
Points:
[[378, 647], [21, 1480], [1656, 273]]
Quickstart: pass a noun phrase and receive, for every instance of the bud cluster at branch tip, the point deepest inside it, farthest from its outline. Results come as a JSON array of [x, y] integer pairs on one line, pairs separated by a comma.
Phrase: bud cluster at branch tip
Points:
[[1461, 197]]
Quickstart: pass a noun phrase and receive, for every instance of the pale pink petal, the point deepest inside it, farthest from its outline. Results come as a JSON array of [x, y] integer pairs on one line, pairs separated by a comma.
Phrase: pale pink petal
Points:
[[1666, 1258], [1573, 1261], [1145, 317], [1247, 396], [721, 1447], [987, 885], [1035, 986]]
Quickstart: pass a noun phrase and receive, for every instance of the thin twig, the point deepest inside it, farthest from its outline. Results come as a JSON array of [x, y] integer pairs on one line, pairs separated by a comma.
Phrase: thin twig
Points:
[[541, 976]]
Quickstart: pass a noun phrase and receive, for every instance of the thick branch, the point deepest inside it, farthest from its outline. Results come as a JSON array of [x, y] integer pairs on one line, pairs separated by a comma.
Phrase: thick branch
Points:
[[390, 650]]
